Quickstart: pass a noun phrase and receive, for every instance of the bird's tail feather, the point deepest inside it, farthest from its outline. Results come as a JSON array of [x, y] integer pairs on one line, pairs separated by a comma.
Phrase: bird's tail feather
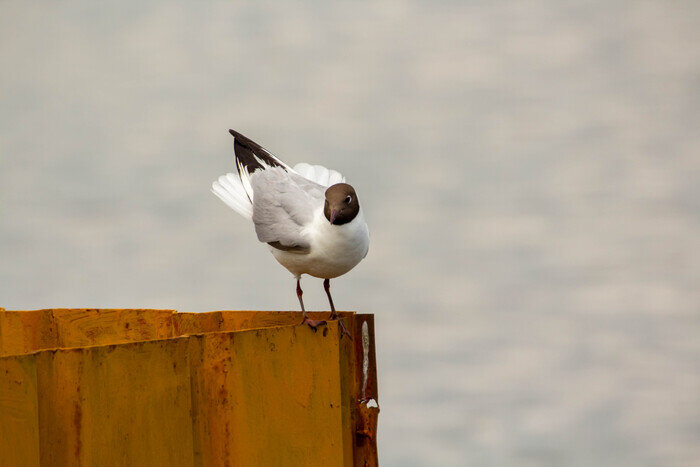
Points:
[[230, 190], [319, 174]]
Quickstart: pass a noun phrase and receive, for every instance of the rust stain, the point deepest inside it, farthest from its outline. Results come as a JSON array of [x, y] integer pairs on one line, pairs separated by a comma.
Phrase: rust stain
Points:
[[366, 407], [223, 395], [367, 423], [77, 422]]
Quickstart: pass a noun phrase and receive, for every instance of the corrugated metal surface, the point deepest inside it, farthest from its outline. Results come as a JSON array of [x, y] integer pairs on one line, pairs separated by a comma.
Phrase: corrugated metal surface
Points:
[[155, 387]]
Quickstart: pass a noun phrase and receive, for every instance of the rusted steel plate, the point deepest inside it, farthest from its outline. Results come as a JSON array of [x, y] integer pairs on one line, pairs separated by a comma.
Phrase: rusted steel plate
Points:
[[367, 395], [26, 331], [29, 331], [86, 327], [19, 411], [116, 405], [269, 397], [229, 320], [244, 388], [348, 387]]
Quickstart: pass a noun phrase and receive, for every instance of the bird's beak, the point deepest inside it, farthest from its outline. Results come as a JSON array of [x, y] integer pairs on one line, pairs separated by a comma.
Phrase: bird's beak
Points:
[[334, 214]]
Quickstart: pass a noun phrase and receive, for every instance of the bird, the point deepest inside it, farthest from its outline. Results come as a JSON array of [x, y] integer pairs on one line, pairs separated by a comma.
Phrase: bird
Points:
[[310, 219]]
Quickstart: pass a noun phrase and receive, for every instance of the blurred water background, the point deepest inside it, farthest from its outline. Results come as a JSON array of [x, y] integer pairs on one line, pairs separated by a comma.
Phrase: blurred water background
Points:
[[529, 170]]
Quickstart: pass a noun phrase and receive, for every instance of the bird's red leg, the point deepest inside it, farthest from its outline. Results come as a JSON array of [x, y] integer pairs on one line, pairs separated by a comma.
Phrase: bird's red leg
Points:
[[334, 314], [312, 324], [327, 288]]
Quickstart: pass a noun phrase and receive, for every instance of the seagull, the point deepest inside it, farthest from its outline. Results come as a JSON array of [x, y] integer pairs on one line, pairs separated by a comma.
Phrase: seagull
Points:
[[308, 216]]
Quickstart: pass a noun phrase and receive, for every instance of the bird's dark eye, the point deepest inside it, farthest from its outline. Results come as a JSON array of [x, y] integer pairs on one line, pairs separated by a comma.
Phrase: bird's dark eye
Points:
[[348, 199]]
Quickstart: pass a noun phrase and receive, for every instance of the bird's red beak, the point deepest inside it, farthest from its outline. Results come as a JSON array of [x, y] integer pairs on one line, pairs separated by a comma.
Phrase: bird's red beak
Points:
[[334, 214]]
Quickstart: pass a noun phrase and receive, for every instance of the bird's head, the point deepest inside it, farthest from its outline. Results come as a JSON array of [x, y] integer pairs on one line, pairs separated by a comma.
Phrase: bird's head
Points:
[[341, 205]]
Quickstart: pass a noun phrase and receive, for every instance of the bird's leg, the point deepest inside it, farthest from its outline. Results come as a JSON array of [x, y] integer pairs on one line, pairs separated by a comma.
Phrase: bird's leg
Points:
[[312, 324], [299, 294], [334, 314], [327, 288]]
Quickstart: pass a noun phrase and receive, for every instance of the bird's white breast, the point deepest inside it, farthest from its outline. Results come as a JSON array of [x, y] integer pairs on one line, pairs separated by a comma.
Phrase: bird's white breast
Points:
[[335, 249]]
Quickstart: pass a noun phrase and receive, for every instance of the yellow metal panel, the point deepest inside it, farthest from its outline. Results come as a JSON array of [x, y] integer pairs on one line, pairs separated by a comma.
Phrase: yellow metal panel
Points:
[[19, 413], [26, 331], [85, 327], [348, 388], [257, 388], [215, 321], [116, 405], [197, 323], [212, 407], [239, 320], [269, 397]]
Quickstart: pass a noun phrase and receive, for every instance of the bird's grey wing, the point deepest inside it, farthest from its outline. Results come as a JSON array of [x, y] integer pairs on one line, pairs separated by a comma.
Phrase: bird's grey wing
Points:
[[283, 204]]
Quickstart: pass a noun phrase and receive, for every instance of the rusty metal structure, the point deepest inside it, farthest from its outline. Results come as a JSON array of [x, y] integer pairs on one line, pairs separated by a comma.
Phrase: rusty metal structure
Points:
[[115, 387]]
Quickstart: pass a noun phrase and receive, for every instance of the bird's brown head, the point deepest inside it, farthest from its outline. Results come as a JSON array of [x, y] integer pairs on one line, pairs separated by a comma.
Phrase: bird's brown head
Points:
[[341, 205]]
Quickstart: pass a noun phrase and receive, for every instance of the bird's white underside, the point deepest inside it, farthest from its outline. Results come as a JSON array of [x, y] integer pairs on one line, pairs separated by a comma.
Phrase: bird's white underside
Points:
[[335, 249]]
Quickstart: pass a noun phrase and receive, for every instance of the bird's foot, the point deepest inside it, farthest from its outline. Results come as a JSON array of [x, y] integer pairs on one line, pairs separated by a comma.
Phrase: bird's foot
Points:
[[343, 329], [314, 325]]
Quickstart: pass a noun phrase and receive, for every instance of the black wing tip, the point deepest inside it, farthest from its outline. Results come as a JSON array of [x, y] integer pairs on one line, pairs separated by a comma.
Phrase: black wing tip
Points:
[[241, 139], [247, 143], [248, 152]]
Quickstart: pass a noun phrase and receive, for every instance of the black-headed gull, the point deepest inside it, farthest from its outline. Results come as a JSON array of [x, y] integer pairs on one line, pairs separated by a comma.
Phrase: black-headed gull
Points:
[[310, 218]]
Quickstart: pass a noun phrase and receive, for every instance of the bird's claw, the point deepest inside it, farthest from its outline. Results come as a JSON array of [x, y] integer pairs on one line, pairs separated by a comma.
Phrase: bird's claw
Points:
[[343, 330], [314, 325]]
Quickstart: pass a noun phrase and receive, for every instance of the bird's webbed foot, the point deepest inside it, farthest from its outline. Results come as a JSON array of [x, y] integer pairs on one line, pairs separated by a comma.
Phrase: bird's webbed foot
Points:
[[313, 324], [341, 326]]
